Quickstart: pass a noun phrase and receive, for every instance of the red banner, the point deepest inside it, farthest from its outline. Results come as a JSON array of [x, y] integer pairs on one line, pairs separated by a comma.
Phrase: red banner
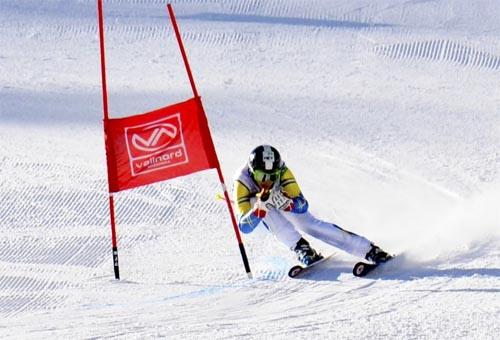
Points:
[[151, 147]]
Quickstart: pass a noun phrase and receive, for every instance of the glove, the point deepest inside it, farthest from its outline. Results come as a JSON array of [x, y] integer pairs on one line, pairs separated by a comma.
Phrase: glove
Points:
[[263, 203], [281, 201]]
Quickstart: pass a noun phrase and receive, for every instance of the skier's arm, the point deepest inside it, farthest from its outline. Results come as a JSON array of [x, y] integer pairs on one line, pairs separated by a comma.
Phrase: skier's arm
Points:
[[291, 189], [247, 217]]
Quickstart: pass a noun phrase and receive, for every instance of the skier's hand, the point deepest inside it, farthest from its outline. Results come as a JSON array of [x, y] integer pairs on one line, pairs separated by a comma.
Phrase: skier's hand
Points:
[[280, 200], [263, 203]]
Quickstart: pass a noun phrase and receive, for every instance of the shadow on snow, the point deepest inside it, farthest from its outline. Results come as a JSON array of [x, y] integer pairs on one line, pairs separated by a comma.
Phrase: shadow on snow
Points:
[[262, 19]]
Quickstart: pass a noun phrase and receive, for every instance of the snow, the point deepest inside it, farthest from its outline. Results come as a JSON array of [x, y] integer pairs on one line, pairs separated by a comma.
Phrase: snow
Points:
[[386, 111]]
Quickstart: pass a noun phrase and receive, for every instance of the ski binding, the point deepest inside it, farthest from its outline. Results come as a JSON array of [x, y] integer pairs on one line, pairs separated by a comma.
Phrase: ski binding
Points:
[[299, 269], [361, 269]]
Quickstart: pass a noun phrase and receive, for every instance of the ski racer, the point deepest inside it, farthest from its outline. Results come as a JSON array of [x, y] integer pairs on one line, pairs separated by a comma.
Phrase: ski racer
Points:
[[265, 191]]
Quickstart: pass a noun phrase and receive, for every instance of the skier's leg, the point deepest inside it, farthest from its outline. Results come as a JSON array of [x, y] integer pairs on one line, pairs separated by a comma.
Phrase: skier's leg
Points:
[[282, 229], [286, 233], [331, 234]]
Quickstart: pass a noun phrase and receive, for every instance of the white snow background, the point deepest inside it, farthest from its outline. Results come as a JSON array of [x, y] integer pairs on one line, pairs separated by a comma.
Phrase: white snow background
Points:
[[387, 112]]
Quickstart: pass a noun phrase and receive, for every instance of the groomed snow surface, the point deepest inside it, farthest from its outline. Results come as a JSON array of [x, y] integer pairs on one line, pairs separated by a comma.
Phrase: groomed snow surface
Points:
[[386, 111]]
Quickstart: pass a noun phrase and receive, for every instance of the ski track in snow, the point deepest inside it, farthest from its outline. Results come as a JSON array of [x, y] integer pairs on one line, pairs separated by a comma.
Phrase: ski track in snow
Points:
[[391, 102]]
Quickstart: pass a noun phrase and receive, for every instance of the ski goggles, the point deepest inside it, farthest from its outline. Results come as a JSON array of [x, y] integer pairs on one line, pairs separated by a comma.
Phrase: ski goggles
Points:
[[262, 176]]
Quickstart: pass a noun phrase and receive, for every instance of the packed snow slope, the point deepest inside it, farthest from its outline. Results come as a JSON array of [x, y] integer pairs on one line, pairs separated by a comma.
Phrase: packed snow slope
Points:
[[386, 111]]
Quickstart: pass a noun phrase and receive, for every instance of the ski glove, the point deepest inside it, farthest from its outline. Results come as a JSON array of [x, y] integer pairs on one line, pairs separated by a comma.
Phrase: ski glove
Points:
[[263, 204]]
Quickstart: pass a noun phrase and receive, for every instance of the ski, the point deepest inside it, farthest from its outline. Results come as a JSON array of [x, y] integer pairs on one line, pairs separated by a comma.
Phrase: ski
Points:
[[361, 269], [300, 269]]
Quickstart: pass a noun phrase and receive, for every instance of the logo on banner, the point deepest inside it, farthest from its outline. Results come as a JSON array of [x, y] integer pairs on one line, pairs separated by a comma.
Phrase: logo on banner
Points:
[[156, 145]]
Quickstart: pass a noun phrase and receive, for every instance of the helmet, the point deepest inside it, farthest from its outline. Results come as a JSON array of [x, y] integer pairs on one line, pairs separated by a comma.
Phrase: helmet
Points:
[[265, 163]]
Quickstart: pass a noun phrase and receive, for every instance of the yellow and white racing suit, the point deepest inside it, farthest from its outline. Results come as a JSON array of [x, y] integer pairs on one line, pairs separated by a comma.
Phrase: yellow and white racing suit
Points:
[[285, 225]]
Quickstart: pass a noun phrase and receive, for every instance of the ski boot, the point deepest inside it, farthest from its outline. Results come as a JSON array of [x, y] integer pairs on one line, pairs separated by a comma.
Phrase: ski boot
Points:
[[377, 255], [306, 254]]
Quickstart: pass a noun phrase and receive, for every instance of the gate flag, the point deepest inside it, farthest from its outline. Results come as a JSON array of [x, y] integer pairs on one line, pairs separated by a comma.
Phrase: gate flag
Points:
[[165, 143], [158, 145]]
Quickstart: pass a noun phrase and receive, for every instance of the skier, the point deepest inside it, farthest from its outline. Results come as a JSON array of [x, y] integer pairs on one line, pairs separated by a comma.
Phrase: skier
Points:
[[265, 191]]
